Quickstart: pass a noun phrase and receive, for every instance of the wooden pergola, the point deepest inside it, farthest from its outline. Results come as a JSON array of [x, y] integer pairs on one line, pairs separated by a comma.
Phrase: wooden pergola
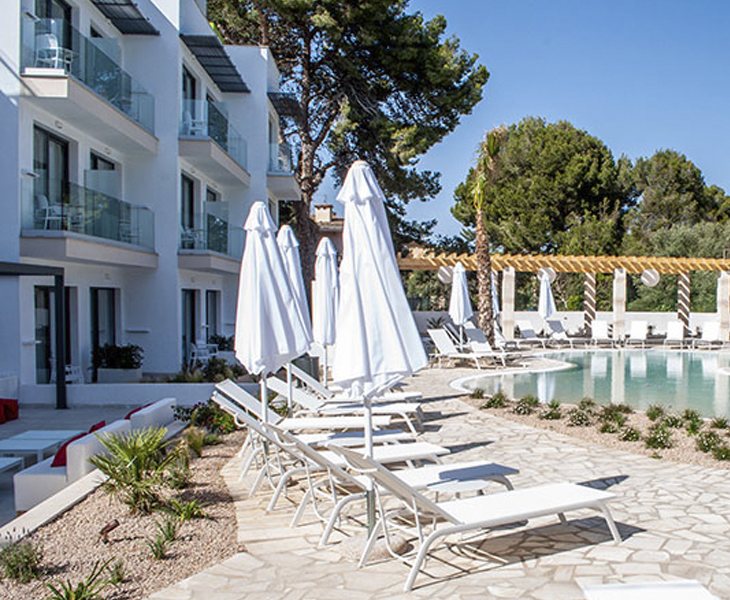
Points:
[[423, 259]]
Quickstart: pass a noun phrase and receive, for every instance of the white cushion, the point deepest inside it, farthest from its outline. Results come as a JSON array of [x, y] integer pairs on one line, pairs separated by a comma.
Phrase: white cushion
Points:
[[34, 484], [159, 414], [79, 452]]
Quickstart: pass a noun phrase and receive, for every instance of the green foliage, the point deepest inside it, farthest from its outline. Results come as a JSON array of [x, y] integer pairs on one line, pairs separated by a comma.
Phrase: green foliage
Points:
[[629, 434], [693, 421], [207, 415], [117, 572], [615, 415], [721, 452], [658, 437], [707, 441], [20, 561], [426, 292], [168, 529], [195, 440], [525, 405], [213, 371], [578, 417], [719, 423], [89, 588], [588, 405], [224, 344], [111, 356], [608, 427], [185, 511], [136, 464], [655, 412], [552, 411], [158, 546], [477, 394], [497, 400], [672, 421], [178, 473]]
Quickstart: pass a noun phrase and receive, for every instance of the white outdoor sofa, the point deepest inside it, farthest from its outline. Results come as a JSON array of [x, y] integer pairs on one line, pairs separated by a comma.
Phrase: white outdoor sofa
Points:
[[41, 481]]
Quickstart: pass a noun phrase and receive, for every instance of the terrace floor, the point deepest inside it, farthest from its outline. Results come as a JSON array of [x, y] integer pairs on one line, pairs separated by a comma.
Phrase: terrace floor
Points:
[[673, 517]]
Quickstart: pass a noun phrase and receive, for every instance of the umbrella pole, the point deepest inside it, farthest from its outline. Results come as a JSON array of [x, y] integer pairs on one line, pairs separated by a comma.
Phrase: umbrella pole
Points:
[[324, 371], [370, 492], [290, 390], [264, 400]]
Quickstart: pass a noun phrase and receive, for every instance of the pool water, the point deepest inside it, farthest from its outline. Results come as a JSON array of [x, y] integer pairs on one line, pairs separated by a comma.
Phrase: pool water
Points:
[[639, 378]]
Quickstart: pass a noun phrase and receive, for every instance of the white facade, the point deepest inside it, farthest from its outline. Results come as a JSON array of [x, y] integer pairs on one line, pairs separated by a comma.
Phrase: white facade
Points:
[[104, 134]]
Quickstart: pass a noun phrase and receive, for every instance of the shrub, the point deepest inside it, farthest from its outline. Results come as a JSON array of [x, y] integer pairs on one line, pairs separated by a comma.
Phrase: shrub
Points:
[[20, 561], [629, 434], [111, 356], [178, 473], [477, 394], [526, 405], [707, 441], [207, 415], [719, 423], [185, 511], [587, 405], [136, 466], [497, 400], [721, 452], [672, 421], [694, 426], [88, 589], [158, 547], [655, 412], [608, 427], [552, 411], [117, 573], [658, 437], [167, 529], [578, 417], [612, 416], [690, 414], [194, 440]]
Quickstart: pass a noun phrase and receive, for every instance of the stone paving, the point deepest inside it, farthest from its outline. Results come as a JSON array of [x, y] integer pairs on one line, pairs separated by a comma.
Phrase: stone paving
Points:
[[673, 517]]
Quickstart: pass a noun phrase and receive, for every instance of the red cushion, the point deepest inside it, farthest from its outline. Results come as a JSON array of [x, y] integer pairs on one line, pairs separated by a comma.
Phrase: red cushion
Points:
[[9, 409], [134, 410], [97, 426], [59, 460]]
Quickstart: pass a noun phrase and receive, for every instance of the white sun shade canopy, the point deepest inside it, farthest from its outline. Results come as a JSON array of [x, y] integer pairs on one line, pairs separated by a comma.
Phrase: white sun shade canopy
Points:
[[377, 340], [289, 248], [325, 293], [269, 331], [460, 309], [546, 302]]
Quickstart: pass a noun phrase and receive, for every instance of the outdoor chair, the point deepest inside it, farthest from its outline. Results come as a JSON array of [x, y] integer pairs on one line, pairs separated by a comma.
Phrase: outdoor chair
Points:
[[343, 488], [47, 215], [558, 334], [675, 334], [637, 333], [710, 336], [49, 53], [447, 350], [409, 412], [479, 343], [460, 516], [528, 335], [600, 334]]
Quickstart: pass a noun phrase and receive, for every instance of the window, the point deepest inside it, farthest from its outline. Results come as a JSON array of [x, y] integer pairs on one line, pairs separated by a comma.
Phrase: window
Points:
[[187, 202], [211, 195], [189, 85], [94, 33], [103, 319], [189, 323], [45, 331], [212, 298], [50, 163], [58, 16], [99, 163]]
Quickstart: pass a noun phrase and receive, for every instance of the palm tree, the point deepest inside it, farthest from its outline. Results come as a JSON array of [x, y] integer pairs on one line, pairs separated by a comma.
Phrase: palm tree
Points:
[[485, 174]]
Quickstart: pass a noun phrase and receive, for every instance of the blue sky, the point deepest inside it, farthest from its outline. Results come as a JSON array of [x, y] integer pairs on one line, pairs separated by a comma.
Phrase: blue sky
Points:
[[639, 74]]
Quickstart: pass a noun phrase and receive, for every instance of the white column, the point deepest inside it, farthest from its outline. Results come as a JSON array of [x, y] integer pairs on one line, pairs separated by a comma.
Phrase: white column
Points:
[[723, 303], [508, 303], [619, 304]]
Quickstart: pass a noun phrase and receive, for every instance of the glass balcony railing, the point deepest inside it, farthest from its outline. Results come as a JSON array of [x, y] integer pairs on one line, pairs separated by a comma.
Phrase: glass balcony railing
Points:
[[202, 119], [280, 160], [53, 44], [213, 232], [64, 206]]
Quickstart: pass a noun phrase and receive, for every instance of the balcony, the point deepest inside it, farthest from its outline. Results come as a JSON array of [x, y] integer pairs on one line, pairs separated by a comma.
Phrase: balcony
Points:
[[210, 143], [79, 80], [69, 222], [213, 245], [280, 178]]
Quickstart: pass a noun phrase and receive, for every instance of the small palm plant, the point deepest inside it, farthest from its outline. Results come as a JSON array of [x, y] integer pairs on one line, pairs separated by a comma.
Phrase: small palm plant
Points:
[[136, 464], [88, 589]]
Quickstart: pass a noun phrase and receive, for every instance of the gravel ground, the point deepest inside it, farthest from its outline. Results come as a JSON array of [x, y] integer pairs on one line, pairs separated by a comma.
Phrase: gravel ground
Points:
[[683, 450], [71, 544]]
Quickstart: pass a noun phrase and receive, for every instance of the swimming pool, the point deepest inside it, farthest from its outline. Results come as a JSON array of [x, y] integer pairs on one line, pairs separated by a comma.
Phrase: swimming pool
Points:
[[680, 379]]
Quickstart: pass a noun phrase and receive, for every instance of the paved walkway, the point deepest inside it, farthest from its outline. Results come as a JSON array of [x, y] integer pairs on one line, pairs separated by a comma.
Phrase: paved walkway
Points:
[[674, 519]]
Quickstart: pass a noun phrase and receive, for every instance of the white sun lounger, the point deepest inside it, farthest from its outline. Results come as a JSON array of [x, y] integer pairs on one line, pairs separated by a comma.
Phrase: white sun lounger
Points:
[[637, 333], [447, 349], [710, 336], [560, 335], [331, 395], [675, 334], [473, 514], [479, 343], [600, 335], [409, 412], [681, 589], [528, 335], [455, 478]]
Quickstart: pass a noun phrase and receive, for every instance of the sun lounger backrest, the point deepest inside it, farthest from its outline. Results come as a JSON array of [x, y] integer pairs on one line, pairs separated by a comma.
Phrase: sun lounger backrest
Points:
[[638, 330], [310, 381], [242, 417], [443, 342], [300, 396], [557, 331], [243, 400], [599, 330], [474, 334], [675, 330], [526, 330], [711, 331], [384, 478]]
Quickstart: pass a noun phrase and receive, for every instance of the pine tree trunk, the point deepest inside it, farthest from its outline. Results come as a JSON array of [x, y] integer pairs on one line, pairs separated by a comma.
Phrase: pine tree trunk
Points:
[[484, 278], [307, 233]]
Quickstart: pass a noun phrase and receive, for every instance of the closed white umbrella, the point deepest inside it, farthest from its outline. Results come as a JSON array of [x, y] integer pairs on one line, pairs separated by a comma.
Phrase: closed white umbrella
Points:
[[546, 302], [269, 331], [460, 309], [325, 294], [289, 248], [495, 297], [377, 340]]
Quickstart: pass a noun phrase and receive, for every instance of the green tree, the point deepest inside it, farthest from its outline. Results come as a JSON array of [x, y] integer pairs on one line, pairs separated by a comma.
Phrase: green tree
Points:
[[553, 178], [371, 81]]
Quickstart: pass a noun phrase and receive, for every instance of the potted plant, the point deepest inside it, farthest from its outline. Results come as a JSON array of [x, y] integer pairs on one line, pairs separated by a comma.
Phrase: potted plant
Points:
[[118, 364]]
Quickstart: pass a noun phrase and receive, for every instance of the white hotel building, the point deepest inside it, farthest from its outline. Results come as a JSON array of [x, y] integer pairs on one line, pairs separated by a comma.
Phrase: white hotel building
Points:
[[133, 143]]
